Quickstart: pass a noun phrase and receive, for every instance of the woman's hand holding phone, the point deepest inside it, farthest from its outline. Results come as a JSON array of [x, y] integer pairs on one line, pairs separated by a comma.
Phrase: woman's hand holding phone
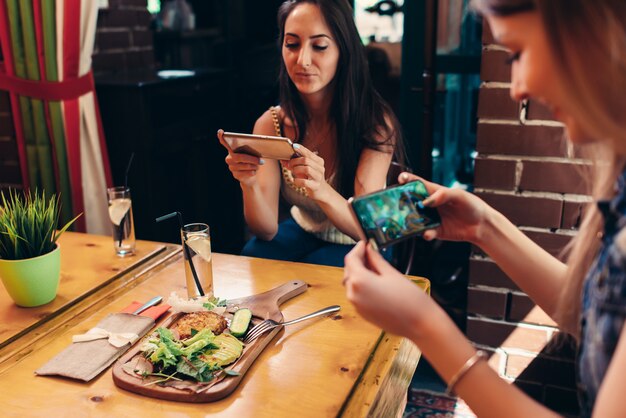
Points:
[[377, 289], [308, 171], [462, 214], [243, 166]]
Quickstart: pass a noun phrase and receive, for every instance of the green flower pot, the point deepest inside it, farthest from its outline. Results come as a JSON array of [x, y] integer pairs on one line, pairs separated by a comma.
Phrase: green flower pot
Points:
[[33, 281]]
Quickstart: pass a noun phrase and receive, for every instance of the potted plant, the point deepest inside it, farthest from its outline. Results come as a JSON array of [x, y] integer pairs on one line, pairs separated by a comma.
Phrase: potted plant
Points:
[[30, 261]]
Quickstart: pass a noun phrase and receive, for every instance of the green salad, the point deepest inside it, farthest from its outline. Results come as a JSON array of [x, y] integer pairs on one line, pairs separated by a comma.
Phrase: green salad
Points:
[[200, 357]]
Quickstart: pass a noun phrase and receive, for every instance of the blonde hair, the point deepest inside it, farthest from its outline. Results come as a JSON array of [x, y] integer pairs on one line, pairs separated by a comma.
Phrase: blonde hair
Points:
[[588, 43]]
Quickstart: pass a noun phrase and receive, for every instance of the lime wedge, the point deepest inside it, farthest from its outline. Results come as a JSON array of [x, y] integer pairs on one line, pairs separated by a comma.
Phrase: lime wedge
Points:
[[118, 209], [200, 246]]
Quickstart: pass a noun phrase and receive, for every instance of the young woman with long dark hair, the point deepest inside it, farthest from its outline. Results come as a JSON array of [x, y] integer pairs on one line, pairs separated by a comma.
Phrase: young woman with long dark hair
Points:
[[345, 136]]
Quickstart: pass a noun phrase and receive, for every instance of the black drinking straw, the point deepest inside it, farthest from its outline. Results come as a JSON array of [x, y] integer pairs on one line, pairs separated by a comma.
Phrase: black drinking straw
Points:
[[130, 161], [125, 219], [185, 247]]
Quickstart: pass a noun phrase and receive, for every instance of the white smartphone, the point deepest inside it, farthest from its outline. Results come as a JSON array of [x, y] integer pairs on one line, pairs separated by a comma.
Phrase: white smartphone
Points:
[[262, 146]]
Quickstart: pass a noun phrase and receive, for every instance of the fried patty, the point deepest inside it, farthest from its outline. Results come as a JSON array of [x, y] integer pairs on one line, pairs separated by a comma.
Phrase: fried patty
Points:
[[198, 321]]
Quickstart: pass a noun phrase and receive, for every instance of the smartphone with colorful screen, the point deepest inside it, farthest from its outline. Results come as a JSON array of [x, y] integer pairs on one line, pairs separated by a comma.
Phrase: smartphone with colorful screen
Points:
[[394, 214]]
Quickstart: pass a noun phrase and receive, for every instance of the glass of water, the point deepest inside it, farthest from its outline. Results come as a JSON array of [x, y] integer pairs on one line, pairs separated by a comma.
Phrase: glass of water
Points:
[[121, 215], [198, 260]]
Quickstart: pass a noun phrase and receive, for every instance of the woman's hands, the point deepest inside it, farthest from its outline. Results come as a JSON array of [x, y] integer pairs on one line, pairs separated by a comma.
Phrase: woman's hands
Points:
[[462, 213], [381, 294], [309, 172], [243, 166]]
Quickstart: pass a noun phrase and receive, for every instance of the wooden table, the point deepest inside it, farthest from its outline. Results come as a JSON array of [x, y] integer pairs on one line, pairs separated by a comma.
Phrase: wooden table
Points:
[[88, 265], [326, 367]]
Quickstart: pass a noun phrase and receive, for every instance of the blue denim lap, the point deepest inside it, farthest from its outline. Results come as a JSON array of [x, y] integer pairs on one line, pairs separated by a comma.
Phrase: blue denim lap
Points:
[[292, 243]]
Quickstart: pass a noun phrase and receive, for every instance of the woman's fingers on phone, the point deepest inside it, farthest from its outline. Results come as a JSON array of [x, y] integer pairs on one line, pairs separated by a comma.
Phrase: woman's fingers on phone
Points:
[[302, 150], [220, 137], [240, 158], [430, 234], [406, 177], [376, 261], [437, 198]]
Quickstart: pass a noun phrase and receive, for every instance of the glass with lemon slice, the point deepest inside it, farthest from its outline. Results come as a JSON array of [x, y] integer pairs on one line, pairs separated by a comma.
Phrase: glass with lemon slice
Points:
[[121, 215], [199, 244]]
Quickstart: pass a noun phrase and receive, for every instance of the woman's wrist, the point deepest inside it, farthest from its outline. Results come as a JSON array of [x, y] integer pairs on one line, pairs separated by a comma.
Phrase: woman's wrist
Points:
[[488, 229]]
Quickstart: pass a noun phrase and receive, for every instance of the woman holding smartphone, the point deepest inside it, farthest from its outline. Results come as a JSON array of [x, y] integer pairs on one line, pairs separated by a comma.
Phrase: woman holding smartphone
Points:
[[570, 55], [344, 134]]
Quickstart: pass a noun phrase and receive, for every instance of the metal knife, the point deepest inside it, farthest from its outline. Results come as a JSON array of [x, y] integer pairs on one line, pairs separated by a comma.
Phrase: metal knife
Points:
[[152, 302]]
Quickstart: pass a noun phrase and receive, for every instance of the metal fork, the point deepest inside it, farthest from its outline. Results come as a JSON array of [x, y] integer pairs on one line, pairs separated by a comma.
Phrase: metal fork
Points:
[[268, 324]]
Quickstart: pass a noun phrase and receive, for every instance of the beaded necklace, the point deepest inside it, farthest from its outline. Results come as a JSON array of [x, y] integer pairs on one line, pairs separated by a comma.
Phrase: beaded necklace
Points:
[[285, 171]]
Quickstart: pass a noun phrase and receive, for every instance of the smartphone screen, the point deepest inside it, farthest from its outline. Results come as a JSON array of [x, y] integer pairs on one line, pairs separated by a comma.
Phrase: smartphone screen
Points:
[[394, 214]]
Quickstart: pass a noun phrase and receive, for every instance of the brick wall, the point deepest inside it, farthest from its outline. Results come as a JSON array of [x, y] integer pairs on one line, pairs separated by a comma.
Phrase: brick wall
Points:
[[523, 170], [123, 37]]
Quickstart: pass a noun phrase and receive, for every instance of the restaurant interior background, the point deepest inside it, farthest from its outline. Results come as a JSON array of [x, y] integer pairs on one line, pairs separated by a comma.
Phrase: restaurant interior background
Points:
[[168, 77]]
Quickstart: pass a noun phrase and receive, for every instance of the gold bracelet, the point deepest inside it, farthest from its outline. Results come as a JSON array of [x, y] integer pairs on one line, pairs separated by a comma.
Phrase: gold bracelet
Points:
[[479, 355]]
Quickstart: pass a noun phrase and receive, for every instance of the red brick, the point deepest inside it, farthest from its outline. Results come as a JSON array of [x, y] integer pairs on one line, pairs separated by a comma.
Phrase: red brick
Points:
[[516, 364], [494, 359], [109, 62], [10, 187], [112, 40], [496, 103], [133, 3], [505, 335], [487, 273], [143, 18], [494, 174], [536, 141], [523, 309], [550, 241], [10, 172], [563, 401], [537, 111], [527, 211], [6, 125], [5, 102], [572, 214], [534, 390], [8, 149], [139, 59], [142, 38], [115, 18], [494, 66], [540, 369], [486, 303], [556, 177]]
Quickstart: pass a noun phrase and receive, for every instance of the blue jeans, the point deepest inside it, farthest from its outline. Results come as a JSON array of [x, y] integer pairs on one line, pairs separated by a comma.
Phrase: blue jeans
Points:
[[292, 243]]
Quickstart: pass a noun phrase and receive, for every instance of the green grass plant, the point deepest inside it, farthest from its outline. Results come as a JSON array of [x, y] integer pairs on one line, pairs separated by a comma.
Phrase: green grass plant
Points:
[[28, 225]]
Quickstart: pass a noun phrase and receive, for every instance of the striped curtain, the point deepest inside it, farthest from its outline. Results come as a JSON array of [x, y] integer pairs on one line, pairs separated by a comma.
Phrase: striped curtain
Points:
[[47, 47]]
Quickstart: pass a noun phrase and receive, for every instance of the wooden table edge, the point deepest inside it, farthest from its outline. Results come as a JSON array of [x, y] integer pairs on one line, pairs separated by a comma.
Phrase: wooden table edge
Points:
[[372, 396], [24, 341]]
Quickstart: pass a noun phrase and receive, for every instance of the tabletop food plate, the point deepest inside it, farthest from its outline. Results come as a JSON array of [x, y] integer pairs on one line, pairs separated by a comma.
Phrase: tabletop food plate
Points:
[[264, 305]]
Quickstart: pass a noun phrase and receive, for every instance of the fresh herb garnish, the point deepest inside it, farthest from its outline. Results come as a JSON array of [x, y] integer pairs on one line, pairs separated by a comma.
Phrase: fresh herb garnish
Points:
[[215, 302], [199, 357]]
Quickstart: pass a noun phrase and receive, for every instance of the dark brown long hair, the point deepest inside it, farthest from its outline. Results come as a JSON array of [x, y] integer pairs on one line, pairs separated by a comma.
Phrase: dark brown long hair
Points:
[[588, 42], [361, 116]]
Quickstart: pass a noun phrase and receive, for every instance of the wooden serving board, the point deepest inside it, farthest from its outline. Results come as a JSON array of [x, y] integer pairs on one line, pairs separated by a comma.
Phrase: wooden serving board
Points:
[[264, 305]]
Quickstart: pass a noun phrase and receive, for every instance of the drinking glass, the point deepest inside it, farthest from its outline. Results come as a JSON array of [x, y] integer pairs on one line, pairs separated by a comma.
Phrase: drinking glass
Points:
[[121, 215], [197, 253]]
